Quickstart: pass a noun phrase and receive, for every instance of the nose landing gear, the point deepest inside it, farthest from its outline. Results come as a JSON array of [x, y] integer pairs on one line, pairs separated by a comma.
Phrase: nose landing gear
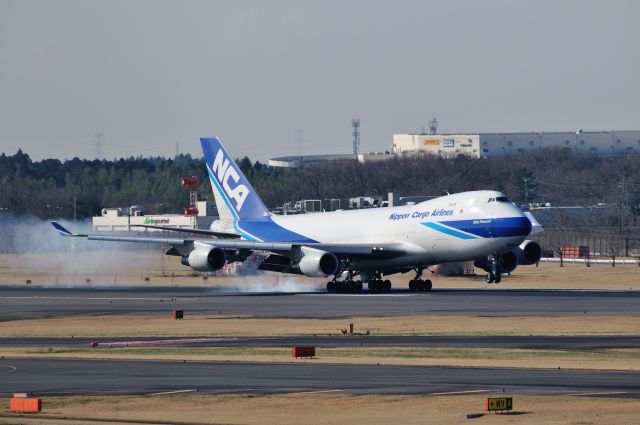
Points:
[[494, 276]]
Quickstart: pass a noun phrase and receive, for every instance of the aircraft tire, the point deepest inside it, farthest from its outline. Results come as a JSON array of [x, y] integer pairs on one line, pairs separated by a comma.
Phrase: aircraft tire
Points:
[[498, 278], [412, 285], [428, 285], [358, 286], [374, 286], [387, 285], [489, 278], [331, 287]]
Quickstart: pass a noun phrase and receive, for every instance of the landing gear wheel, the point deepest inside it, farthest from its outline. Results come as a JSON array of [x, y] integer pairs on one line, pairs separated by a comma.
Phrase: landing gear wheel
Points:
[[412, 286], [497, 278], [428, 285], [358, 286], [375, 286], [331, 286], [386, 285], [489, 278]]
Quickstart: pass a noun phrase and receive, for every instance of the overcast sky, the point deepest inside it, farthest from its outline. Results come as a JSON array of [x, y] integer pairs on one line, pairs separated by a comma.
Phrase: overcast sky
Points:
[[150, 74]]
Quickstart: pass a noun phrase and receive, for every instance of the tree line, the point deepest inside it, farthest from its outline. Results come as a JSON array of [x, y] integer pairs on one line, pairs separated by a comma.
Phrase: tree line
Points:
[[48, 188]]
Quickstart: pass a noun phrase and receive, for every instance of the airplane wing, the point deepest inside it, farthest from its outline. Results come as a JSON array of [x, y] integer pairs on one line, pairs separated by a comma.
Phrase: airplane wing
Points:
[[536, 227], [223, 235], [378, 251]]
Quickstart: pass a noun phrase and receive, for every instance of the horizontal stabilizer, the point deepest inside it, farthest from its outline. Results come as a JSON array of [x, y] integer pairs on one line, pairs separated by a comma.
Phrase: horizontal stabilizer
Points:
[[63, 230]]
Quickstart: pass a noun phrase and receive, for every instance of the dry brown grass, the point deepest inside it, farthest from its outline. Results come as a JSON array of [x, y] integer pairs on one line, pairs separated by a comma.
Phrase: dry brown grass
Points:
[[332, 408], [214, 325], [611, 359]]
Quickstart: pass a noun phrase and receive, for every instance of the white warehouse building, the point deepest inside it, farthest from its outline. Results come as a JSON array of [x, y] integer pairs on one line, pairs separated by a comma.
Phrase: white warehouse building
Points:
[[483, 145]]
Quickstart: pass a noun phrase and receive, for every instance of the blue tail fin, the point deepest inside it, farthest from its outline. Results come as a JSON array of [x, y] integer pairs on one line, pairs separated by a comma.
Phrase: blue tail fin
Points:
[[229, 184]]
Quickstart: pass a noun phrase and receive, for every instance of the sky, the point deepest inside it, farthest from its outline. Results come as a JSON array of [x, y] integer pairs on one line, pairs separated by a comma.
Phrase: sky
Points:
[[276, 78]]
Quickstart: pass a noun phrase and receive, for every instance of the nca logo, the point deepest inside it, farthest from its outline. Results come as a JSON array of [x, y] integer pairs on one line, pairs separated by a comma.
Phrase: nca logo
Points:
[[223, 173]]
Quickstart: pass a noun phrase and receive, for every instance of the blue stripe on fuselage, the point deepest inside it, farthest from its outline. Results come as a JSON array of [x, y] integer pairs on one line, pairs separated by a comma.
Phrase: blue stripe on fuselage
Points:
[[492, 227], [447, 230]]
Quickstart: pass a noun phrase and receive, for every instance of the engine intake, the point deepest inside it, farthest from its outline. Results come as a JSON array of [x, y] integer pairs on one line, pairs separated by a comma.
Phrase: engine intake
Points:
[[205, 260], [317, 263], [529, 252]]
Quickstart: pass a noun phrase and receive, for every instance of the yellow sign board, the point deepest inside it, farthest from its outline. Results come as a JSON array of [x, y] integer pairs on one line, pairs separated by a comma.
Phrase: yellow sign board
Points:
[[493, 404], [431, 142]]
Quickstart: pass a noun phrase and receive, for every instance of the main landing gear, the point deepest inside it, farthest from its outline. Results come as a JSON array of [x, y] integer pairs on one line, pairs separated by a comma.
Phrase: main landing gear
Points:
[[347, 286], [375, 284], [419, 285]]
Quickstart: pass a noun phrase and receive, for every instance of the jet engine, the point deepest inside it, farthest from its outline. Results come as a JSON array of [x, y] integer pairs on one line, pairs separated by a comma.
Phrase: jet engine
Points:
[[529, 252], [507, 263], [205, 260], [317, 263]]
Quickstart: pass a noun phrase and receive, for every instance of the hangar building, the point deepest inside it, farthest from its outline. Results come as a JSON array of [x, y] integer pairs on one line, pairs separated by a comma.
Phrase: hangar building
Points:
[[484, 145]]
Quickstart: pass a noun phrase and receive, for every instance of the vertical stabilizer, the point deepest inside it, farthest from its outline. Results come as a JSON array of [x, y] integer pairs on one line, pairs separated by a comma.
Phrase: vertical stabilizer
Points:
[[230, 186]]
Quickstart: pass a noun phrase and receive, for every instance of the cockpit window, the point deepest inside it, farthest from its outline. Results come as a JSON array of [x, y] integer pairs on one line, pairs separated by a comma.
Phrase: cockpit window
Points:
[[503, 199]]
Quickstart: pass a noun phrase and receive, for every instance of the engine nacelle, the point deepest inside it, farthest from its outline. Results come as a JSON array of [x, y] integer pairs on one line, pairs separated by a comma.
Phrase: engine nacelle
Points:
[[205, 260], [529, 252], [507, 263], [317, 263]]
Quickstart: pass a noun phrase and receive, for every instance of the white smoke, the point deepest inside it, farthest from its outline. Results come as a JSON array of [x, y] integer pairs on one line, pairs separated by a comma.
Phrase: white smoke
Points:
[[33, 249], [271, 283]]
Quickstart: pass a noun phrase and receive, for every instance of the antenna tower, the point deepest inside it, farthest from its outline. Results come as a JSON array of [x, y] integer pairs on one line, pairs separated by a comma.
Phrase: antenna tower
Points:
[[355, 123], [433, 125]]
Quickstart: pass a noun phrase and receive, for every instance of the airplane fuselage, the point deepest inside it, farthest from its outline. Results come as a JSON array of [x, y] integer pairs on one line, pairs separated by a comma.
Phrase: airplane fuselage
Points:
[[457, 227]]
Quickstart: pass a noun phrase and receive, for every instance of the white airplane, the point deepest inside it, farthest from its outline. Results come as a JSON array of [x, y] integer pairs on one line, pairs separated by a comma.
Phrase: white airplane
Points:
[[480, 226]]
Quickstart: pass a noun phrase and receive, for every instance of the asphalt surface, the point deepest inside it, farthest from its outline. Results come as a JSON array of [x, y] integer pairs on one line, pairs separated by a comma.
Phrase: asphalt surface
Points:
[[70, 377], [506, 342], [33, 302], [49, 377]]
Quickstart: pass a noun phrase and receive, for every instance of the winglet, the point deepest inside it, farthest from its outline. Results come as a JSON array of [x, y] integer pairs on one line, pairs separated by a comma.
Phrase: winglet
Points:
[[63, 230]]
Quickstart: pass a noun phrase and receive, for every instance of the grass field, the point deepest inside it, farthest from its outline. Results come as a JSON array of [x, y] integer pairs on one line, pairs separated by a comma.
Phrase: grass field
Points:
[[222, 325], [331, 408], [601, 359]]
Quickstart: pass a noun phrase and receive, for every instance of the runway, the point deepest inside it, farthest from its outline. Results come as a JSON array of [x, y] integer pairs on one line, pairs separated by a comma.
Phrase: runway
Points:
[[51, 377], [504, 342], [88, 377], [37, 302]]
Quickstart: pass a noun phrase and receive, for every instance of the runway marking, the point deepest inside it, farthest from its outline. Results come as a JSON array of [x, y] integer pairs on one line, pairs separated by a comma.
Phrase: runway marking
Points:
[[102, 298], [316, 392], [461, 392], [191, 390], [601, 393], [10, 369], [165, 342], [364, 293]]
